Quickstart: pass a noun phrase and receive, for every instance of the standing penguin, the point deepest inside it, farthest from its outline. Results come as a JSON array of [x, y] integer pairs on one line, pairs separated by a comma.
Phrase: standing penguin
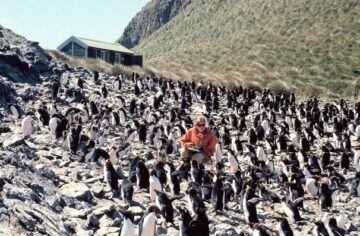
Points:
[[111, 177], [165, 206], [345, 162], [194, 200], [55, 89], [333, 229], [199, 225], [185, 219], [147, 225], [127, 190], [218, 194], [142, 175], [249, 206], [197, 172], [155, 185], [284, 227], [27, 125], [173, 180], [319, 229], [104, 91], [127, 227], [291, 208], [141, 131], [16, 111], [325, 196], [44, 116]]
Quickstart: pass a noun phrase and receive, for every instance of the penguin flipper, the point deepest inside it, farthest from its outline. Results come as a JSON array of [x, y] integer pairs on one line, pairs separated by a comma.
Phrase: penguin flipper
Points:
[[297, 202]]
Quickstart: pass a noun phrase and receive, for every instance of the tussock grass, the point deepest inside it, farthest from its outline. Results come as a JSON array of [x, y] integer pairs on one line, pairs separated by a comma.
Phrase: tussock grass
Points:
[[96, 64], [309, 46]]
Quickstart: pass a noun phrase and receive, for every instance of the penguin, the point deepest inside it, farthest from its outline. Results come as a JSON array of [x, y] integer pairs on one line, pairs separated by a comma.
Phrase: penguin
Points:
[[283, 227], [197, 172], [104, 91], [127, 190], [173, 180], [80, 83], [16, 111], [185, 219], [291, 208], [165, 206], [304, 144], [345, 162], [206, 186], [319, 229], [195, 201], [252, 137], [142, 175], [132, 107], [115, 119], [93, 108], [218, 194], [199, 225], [127, 227], [55, 89], [141, 131], [117, 84], [234, 163], [312, 186], [161, 173], [325, 196], [237, 183], [154, 185], [147, 224], [333, 229], [260, 153], [249, 202], [44, 116], [355, 186], [85, 152], [27, 125], [111, 177]]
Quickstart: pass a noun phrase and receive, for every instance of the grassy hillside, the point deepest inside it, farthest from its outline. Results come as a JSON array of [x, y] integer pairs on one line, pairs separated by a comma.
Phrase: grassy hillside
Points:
[[310, 46]]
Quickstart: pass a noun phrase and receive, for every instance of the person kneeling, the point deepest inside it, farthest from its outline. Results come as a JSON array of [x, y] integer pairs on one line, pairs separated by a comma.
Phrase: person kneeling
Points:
[[199, 142]]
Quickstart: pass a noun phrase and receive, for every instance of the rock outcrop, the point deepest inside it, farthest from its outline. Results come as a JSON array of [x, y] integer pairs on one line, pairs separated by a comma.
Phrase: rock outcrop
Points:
[[21, 60], [153, 16]]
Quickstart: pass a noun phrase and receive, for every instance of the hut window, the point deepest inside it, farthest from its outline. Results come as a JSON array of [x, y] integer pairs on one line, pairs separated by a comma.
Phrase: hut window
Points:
[[117, 58], [103, 55]]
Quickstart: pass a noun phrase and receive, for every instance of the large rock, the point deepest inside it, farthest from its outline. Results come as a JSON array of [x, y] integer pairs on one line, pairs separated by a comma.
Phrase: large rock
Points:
[[80, 191], [21, 60], [14, 141]]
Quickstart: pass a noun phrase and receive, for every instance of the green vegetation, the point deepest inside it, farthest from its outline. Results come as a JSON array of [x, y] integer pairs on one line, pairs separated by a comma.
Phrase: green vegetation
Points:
[[95, 64], [308, 46]]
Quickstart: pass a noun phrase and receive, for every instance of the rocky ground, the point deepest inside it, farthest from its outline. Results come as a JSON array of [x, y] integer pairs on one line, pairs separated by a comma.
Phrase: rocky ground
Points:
[[44, 190]]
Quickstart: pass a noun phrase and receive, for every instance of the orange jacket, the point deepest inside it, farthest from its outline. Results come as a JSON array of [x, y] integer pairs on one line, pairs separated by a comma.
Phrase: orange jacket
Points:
[[205, 139]]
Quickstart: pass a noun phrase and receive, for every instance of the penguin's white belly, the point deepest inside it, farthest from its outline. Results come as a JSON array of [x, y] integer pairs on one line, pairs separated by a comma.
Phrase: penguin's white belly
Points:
[[53, 123], [311, 187], [234, 166], [288, 211], [246, 212], [27, 126], [154, 185], [149, 226], [15, 112], [128, 228]]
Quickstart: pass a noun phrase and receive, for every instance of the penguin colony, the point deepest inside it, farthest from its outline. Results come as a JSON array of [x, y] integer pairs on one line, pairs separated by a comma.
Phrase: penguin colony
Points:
[[279, 160]]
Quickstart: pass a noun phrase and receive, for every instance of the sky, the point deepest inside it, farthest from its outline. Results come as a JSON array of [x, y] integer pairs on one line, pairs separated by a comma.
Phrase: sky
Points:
[[50, 22]]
